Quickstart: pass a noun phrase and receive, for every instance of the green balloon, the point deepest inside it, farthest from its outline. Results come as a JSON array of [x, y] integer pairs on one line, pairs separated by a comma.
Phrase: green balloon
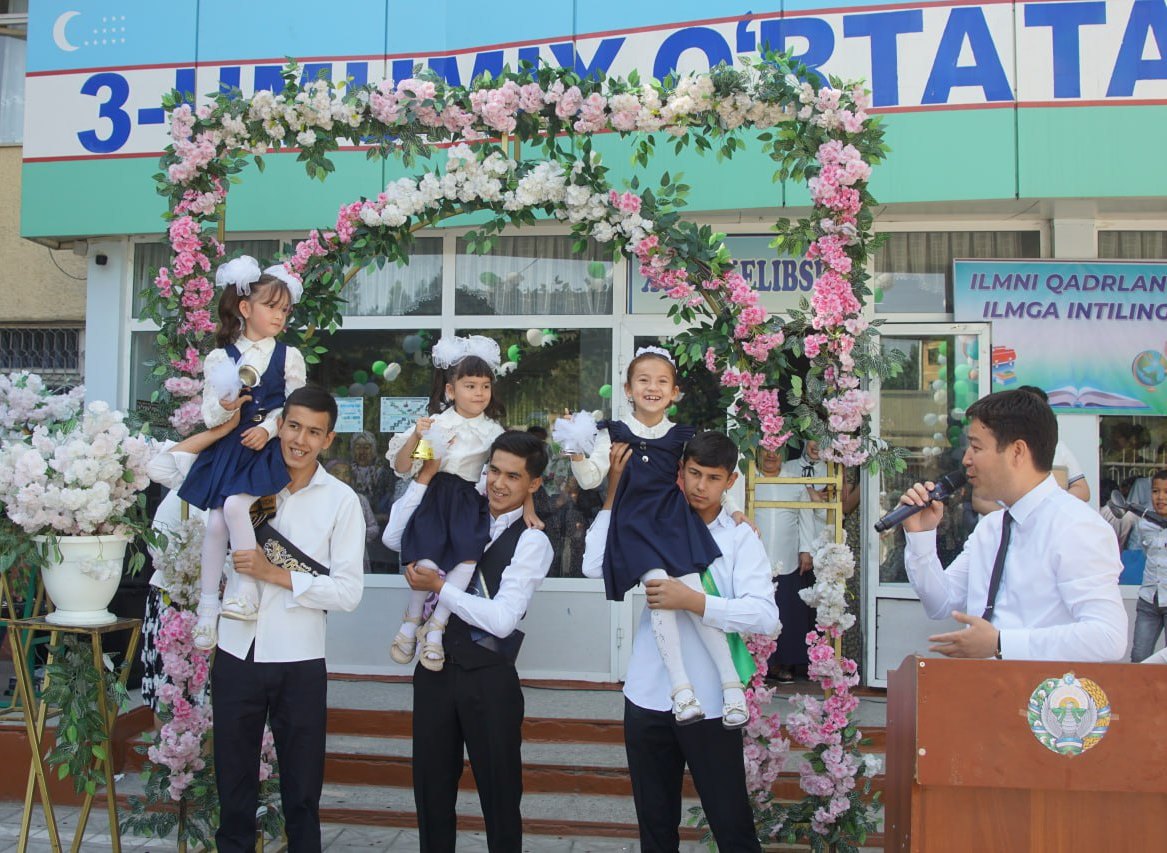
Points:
[[962, 387], [961, 371], [878, 295], [954, 434], [360, 376], [974, 349], [341, 391], [379, 367], [606, 392], [942, 347], [672, 410], [514, 353]]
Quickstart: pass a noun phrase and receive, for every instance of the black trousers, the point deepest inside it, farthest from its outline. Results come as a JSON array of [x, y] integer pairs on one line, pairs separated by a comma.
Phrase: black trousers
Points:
[[658, 750], [293, 697], [481, 709]]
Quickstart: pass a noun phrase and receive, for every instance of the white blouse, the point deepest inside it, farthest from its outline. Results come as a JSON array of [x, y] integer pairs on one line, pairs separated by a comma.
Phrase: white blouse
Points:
[[258, 355], [466, 454]]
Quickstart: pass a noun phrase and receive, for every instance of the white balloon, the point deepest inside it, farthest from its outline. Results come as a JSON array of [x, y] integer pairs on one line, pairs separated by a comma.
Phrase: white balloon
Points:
[[411, 344], [937, 384], [507, 367], [535, 337], [421, 358], [942, 359], [938, 436], [392, 371], [940, 397], [931, 418], [957, 413]]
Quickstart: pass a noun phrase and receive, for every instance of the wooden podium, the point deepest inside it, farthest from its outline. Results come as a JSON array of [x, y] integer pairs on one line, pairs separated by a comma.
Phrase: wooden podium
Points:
[[972, 760]]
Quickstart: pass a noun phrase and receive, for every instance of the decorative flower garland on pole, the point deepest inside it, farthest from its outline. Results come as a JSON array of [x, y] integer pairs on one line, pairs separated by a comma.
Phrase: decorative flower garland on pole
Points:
[[821, 135]]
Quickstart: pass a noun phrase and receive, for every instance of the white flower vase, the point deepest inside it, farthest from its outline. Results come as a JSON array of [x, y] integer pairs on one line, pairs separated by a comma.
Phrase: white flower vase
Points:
[[81, 577]]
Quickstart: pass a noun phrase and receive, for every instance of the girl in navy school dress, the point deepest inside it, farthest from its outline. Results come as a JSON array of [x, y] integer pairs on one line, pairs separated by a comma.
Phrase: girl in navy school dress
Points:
[[246, 464], [653, 532], [451, 526]]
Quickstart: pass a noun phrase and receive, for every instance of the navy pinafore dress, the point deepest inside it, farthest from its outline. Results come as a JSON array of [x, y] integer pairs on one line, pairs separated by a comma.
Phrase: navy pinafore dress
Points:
[[652, 525], [451, 525], [227, 467]]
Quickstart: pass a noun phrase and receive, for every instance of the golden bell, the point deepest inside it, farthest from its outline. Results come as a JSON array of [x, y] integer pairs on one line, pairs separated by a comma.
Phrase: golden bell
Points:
[[424, 450], [248, 375]]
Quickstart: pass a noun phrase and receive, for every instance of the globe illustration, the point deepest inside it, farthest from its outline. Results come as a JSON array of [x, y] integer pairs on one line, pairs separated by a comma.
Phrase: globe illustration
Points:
[[1149, 368]]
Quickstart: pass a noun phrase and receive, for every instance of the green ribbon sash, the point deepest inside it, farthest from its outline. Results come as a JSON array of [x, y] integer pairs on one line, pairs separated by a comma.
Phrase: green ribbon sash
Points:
[[743, 660]]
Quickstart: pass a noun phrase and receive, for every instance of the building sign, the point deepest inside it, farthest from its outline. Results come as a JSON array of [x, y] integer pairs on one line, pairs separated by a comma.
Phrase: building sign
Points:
[[781, 281], [401, 413], [1093, 334], [96, 79], [350, 414]]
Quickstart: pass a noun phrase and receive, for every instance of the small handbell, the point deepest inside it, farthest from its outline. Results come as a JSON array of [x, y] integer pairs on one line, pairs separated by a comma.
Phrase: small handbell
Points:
[[248, 375], [424, 450]]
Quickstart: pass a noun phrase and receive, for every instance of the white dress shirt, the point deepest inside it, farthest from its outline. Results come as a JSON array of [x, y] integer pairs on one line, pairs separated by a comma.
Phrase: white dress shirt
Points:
[[1065, 458], [466, 455], [258, 355], [524, 574], [1059, 596], [323, 520], [788, 532], [169, 468], [746, 605]]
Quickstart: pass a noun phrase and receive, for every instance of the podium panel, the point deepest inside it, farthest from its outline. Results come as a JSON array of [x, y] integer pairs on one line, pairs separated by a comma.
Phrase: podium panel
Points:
[[1025, 756]]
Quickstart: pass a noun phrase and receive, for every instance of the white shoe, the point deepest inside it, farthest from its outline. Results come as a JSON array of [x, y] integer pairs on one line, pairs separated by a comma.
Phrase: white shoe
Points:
[[433, 652], [205, 633], [686, 708], [240, 608], [734, 711]]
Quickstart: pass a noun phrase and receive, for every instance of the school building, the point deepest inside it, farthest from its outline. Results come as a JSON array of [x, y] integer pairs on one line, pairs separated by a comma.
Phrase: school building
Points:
[[1025, 133]]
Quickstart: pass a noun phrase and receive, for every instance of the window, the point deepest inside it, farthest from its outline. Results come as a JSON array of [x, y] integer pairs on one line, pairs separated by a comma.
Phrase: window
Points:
[[13, 49], [52, 351], [534, 275], [1132, 245], [913, 269]]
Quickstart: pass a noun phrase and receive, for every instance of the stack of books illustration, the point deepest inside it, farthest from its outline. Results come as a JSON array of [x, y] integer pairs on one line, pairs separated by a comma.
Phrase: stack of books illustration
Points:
[[1004, 360]]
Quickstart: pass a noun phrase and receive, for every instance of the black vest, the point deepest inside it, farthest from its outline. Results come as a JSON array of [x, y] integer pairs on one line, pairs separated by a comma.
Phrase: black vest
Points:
[[460, 647]]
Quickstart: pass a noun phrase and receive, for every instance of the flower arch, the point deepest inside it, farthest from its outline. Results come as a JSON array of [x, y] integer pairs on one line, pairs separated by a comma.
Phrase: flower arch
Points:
[[822, 135]]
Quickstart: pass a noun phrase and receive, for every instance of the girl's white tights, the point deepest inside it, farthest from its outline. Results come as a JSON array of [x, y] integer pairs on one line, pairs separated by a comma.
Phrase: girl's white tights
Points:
[[230, 524], [459, 577], [668, 642]]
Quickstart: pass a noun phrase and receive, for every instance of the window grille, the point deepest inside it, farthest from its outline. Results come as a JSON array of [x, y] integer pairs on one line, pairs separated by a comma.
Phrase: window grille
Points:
[[53, 352]]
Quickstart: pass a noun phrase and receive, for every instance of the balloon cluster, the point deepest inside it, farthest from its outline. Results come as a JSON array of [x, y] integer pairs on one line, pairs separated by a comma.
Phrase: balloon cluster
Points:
[[948, 423]]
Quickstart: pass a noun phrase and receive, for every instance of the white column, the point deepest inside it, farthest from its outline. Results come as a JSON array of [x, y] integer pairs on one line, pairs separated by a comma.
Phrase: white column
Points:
[[107, 336]]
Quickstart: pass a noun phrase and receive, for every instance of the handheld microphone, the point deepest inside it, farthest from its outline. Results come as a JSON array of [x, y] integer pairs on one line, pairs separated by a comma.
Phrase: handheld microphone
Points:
[[943, 490], [1119, 506]]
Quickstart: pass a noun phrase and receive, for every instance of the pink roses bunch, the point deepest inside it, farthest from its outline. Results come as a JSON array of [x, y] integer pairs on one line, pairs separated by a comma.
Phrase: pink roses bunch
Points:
[[179, 747]]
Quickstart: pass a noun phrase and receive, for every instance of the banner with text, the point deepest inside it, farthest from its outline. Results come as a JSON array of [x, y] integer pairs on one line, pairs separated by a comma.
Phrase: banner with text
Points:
[[1091, 333]]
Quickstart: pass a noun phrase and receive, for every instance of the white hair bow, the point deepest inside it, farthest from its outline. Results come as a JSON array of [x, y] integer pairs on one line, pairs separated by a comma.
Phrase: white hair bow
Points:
[[450, 350], [242, 272], [661, 351], [295, 286]]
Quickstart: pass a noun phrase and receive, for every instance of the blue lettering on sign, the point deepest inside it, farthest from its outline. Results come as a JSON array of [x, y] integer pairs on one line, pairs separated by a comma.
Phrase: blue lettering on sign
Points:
[[883, 28], [986, 72], [269, 77], [704, 39], [568, 56], [820, 40], [229, 79], [1148, 18], [111, 108], [1065, 21], [184, 82], [446, 67], [488, 62]]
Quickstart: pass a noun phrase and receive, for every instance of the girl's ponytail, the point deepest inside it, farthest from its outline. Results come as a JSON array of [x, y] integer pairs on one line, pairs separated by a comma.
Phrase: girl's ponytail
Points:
[[438, 402], [230, 325]]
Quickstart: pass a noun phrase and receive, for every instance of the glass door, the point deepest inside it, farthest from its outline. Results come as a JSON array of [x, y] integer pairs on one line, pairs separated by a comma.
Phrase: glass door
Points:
[[946, 368]]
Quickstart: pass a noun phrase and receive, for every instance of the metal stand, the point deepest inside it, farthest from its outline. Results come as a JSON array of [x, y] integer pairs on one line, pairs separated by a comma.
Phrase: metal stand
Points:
[[12, 608], [21, 633]]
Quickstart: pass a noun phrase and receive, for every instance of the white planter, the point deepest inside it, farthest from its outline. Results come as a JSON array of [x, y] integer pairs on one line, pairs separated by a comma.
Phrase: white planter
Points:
[[82, 576]]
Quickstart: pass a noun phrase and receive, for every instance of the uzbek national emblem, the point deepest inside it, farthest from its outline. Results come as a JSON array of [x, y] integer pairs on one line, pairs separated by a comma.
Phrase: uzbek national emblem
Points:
[[1068, 715]]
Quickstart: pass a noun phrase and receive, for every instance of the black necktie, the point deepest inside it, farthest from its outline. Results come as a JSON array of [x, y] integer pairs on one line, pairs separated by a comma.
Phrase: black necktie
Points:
[[998, 566], [807, 469]]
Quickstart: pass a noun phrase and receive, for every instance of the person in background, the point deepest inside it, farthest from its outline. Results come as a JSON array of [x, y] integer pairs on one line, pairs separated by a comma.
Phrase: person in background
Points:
[[1151, 610], [789, 536], [343, 472]]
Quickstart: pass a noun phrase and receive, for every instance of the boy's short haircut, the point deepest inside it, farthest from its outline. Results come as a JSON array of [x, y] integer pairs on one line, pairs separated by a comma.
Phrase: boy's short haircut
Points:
[[315, 399], [526, 445], [1017, 415], [711, 450], [1161, 474]]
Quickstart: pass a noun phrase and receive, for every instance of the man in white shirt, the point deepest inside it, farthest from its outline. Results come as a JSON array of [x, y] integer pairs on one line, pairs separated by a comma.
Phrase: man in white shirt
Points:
[[658, 747], [1057, 596], [475, 702], [273, 668]]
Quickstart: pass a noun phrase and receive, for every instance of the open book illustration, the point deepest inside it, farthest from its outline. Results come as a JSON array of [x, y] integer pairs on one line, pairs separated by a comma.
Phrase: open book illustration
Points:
[[1086, 397]]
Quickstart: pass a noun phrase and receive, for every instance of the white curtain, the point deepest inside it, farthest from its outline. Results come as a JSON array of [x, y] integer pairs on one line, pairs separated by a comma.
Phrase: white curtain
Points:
[[12, 52], [1133, 245]]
